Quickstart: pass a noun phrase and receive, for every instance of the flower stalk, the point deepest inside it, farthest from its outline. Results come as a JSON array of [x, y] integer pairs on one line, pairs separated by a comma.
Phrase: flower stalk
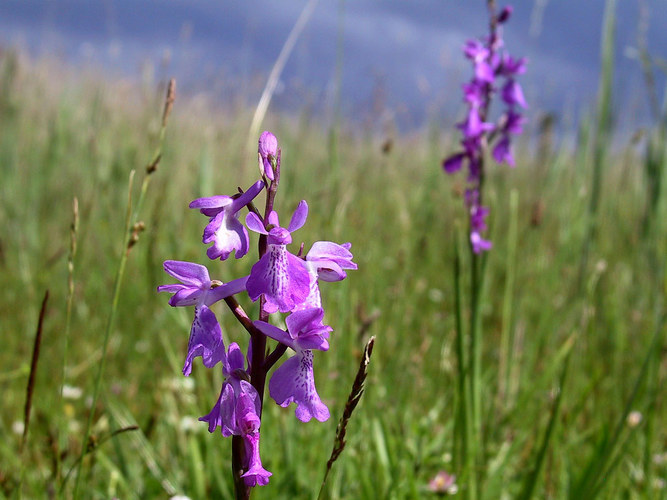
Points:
[[494, 73], [281, 282]]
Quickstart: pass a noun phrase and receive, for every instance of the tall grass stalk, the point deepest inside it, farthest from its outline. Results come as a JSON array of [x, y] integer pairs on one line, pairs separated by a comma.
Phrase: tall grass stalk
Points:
[[107, 334], [274, 77], [353, 400], [334, 132], [606, 456], [538, 461], [74, 228], [131, 235], [603, 133], [30, 387]]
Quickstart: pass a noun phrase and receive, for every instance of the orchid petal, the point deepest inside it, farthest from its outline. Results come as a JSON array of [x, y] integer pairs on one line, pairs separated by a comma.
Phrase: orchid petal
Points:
[[187, 272], [275, 333], [255, 224], [247, 196], [298, 217], [205, 340]]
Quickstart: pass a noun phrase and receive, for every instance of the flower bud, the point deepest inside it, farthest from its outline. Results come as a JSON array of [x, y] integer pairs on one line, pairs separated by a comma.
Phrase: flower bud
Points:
[[505, 14], [267, 149]]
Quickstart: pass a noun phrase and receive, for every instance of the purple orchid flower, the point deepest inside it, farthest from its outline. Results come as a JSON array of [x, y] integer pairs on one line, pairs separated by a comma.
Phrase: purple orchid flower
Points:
[[224, 229], [502, 151], [294, 380], [279, 275], [197, 289], [224, 413], [249, 423], [237, 413], [327, 261], [256, 475]]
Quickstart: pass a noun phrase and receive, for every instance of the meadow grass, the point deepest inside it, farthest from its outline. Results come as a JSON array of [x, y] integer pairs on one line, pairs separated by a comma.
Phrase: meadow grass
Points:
[[572, 320]]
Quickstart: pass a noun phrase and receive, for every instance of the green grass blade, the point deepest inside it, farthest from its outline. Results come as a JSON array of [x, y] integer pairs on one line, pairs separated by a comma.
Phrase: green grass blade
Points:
[[531, 480]]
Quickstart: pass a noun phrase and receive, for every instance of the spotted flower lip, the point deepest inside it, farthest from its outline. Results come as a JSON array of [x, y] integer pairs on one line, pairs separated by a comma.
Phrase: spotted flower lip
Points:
[[205, 341], [279, 275], [293, 381], [224, 229]]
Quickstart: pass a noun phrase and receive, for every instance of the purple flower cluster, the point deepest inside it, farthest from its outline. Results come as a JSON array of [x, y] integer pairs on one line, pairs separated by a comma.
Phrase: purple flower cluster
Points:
[[285, 283], [495, 72]]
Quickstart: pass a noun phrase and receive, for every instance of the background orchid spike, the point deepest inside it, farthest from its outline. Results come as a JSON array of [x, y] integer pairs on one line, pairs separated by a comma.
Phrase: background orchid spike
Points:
[[268, 153], [495, 72], [224, 229]]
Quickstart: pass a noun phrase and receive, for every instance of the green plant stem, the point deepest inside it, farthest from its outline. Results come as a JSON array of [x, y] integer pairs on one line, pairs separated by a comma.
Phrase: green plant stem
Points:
[[505, 354], [465, 415], [474, 359], [107, 334], [68, 320], [461, 429]]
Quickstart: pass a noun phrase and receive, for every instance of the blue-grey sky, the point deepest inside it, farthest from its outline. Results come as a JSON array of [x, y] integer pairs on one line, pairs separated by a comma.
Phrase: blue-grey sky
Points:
[[401, 56]]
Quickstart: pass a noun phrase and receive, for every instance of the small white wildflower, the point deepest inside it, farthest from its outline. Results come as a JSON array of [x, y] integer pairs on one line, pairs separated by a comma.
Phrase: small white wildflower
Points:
[[634, 418], [435, 295], [181, 384], [189, 424], [142, 346], [71, 392], [18, 427], [188, 384]]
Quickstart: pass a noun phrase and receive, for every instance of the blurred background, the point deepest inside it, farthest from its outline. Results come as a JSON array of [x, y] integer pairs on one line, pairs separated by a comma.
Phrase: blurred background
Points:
[[402, 56]]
